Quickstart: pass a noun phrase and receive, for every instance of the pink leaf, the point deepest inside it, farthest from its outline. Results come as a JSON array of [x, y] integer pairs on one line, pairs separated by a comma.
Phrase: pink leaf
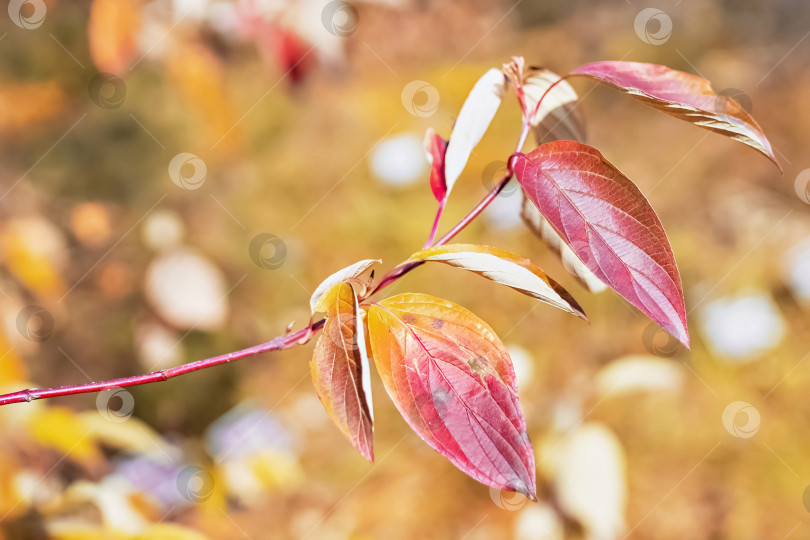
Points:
[[435, 148], [609, 225], [453, 381], [683, 96]]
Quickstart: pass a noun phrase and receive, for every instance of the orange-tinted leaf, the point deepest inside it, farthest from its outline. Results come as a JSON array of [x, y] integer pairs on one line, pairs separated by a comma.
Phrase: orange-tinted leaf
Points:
[[453, 382], [199, 75], [112, 32], [610, 226], [683, 96], [340, 369], [505, 268]]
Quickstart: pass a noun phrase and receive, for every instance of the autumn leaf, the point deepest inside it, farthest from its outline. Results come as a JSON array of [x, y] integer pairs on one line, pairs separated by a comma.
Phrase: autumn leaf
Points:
[[453, 382], [473, 121], [340, 369], [112, 33], [555, 119], [540, 226], [610, 226], [435, 148], [350, 274], [683, 96], [505, 268]]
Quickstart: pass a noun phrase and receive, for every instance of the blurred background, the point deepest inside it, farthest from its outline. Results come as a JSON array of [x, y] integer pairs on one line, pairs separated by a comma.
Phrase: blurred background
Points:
[[179, 176]]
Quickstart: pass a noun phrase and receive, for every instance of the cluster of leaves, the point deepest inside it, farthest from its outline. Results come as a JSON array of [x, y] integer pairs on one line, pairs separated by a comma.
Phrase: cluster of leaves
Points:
[[445, 369]]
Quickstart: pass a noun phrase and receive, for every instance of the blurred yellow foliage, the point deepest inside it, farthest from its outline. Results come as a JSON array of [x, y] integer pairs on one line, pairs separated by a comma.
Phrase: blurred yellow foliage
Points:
[[61, 429], [33, 249]]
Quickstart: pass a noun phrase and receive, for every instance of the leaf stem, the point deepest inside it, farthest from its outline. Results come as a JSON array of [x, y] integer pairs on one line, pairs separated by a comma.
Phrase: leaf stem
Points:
[[405, 267], [552, 85], [435, 229]]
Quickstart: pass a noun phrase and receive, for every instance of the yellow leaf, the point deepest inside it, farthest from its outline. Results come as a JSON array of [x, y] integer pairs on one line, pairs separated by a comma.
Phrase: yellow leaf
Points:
[[12, 368], [349, 274], [33, 250], [131, 436], [59, 428]]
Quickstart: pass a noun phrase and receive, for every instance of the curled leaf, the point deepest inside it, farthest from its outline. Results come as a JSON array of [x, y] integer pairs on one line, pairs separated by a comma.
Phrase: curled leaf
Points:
[[609, 224], [505, 268], [683, 96], [557, 118], [351, 274], [453, 382], [435, 148], [340, 369], [476, 114]]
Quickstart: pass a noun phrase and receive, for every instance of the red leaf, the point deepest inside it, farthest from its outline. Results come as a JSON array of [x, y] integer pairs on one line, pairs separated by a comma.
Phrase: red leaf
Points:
[[453, 381], [340, 370], [610, 226], [683, 96], [436, 147]]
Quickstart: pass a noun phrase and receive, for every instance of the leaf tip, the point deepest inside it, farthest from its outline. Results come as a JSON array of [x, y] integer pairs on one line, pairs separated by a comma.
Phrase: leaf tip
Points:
[[681, 333], [686, 340], [368, 453], [518, 486]]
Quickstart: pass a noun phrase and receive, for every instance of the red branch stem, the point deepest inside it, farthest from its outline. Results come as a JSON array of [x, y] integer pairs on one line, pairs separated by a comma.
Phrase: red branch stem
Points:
[[277, 344]]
